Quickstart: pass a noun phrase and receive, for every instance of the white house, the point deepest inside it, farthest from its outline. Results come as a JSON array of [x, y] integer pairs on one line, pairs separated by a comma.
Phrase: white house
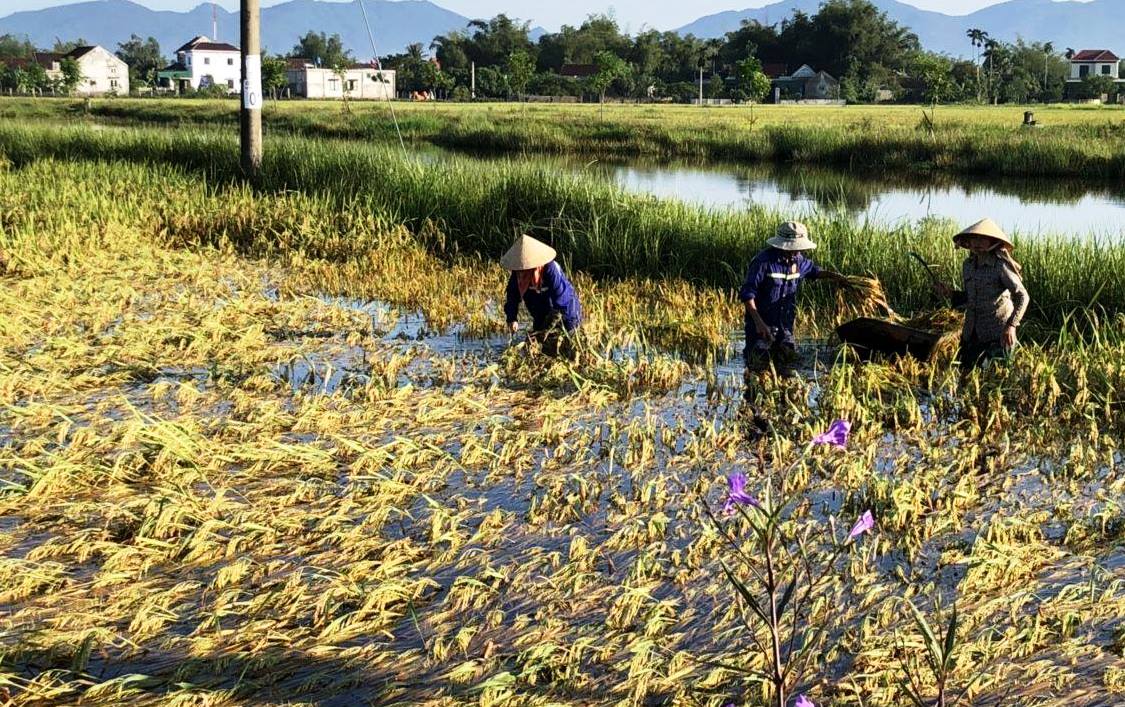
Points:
[[202, 63], [1094, 62], [102, 72], [357, 82]]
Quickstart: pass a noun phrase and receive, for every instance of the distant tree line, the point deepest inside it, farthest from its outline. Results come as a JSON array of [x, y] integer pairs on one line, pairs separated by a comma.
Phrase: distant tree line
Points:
[[873, 57]]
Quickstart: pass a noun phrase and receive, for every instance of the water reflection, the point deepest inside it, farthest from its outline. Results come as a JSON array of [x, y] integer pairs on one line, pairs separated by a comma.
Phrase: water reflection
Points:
[[1072, 208], [1027, 206]]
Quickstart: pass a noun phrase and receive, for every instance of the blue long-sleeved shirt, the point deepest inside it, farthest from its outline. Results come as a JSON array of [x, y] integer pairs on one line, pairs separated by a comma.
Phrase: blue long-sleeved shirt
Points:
[[555, 294], [772, 281]]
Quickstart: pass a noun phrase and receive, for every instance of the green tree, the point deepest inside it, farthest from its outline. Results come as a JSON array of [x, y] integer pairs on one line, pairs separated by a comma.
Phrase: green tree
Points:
[[753, 84], [273, 74], [493, 41], [10, 77], [1096, 86], [1032, 72], [610, 68], [849, 35], [715, 86], [977, 37], [997, 59], [450, 50], [411, 71], [934, 75], [434, 79], [27, 79], [492, 83], [520, 70], [71, 76], [322, 50], [143, 58], [12, 47]]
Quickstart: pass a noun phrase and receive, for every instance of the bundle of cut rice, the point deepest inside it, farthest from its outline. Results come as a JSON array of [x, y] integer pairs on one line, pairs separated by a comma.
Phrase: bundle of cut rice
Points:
[[863, 296]]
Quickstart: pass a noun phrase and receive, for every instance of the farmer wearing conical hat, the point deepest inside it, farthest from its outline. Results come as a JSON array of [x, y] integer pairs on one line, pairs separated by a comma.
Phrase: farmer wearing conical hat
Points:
[[995, 299], [770, 294], [539, 282]]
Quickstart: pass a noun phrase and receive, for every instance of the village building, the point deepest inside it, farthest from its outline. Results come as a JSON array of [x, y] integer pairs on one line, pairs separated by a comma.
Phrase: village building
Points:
[[102, 72], [202, 63], [357, 82], [1094, 62], [805, 84]]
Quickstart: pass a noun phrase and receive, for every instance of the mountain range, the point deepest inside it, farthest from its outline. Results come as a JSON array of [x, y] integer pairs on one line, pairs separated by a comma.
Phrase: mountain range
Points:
[[1099, 24], [108, 22]]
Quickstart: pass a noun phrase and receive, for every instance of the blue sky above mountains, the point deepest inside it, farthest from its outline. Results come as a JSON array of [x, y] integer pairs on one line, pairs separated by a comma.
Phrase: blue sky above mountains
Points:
[[661, 14]]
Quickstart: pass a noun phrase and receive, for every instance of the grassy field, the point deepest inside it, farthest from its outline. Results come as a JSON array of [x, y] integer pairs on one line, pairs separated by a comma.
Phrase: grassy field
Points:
[[236, 467], [1075, 141], [600, 230]]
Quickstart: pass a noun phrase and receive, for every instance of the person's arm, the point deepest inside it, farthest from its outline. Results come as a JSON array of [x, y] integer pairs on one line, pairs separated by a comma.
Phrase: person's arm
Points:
[[512, 303], [812, 271], [957, 298], [748, 293], [1020, 301], [760, 325]]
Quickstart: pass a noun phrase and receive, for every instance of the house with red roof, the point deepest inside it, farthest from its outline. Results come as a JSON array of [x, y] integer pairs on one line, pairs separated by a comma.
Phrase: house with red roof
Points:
[[1094, 62]]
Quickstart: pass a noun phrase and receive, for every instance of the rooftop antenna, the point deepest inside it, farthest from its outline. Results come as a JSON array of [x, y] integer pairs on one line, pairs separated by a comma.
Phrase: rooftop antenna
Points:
[[214, 23]]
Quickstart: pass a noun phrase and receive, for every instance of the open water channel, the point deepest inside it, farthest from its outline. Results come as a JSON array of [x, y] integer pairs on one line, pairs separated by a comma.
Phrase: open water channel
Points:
[[1026, 207]]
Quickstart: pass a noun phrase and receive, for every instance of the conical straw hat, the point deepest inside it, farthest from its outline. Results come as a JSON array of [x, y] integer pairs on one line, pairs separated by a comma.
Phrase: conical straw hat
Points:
[[792, 236], [527, 253], [987, 228]]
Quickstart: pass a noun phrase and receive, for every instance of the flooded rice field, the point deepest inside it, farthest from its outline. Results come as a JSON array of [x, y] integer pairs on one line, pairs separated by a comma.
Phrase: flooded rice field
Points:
[[229, 480]]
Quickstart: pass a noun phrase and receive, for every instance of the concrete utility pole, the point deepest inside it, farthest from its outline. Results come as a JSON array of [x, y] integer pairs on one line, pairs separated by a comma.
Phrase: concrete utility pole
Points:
[[473, 81], [701, 84], [250, 116]]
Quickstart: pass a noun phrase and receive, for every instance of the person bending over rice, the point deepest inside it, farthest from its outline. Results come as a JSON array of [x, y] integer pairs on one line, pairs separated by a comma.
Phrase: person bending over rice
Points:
[[539, 282]]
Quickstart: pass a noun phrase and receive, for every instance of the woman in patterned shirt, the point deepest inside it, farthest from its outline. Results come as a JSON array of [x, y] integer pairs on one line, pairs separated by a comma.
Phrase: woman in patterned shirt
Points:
[[994, 297]]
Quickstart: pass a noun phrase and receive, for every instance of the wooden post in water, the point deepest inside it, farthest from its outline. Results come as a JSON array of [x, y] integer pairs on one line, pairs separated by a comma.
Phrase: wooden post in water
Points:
[[250, 115]]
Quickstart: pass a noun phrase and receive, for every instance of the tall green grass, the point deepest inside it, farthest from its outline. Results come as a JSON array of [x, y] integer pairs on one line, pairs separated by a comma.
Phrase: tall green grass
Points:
[[598, 227]]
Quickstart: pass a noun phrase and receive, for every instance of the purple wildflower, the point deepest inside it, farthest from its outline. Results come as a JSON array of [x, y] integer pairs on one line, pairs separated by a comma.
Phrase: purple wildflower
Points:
[[866, 522], [803, 701], [737, 493], [837, 434]]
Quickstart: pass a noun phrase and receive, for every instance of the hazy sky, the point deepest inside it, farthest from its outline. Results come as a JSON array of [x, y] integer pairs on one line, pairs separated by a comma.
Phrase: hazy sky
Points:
[[632, 14]]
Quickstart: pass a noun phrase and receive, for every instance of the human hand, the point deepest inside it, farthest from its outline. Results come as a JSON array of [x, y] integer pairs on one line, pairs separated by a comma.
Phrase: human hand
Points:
[[1008, 339], [764, 331], [513, 327]]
